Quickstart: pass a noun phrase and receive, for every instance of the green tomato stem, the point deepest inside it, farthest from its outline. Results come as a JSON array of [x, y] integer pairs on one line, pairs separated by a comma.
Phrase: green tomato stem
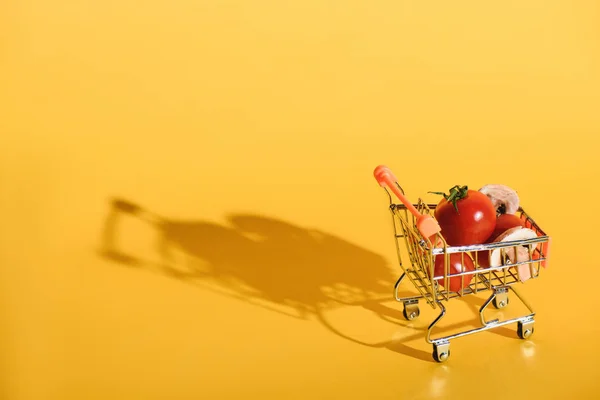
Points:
[[457, 193]]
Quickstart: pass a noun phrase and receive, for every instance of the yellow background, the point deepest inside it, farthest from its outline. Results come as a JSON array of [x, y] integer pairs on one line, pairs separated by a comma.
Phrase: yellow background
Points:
[[251, 129]]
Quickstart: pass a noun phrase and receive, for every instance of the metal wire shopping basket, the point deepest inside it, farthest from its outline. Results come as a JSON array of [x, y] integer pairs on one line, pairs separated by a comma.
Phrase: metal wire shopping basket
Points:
[[416, 231]]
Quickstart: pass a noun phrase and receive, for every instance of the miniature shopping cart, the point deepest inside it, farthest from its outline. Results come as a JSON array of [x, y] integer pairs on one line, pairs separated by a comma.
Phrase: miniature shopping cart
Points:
[[417, 232]]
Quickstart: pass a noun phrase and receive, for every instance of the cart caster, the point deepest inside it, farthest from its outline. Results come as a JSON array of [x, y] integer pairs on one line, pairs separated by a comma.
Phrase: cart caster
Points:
[[500, 300], [441, 352], [525, 329], [411, 310], [500, 303]]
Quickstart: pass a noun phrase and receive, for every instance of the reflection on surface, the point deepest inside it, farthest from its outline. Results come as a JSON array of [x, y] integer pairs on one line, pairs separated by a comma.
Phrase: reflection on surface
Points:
[[439, 382], [528, 349]]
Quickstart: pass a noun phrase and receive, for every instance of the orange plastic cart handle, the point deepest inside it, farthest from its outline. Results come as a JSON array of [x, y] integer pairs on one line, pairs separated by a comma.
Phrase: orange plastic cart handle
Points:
[[426, 224]]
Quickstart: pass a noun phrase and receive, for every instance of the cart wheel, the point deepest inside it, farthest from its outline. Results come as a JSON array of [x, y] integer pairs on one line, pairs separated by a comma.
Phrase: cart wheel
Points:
[[500, 303], [525, 329], [441, 352], [411, 311]]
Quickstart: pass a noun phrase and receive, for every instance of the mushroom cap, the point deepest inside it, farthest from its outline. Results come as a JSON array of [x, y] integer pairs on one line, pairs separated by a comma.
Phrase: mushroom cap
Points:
[[502, 195]]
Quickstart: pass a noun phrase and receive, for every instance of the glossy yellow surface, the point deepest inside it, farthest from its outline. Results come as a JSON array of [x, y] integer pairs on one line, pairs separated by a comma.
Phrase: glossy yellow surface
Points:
[[248, 132]]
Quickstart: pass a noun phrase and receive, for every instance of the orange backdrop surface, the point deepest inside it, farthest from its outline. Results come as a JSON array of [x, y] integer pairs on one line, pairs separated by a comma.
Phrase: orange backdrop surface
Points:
[[244, 135]]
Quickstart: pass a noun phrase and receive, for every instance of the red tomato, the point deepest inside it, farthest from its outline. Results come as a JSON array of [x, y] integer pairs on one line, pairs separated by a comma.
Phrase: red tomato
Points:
[[465, 216], [483, 258], [503, 223], [457, 265]]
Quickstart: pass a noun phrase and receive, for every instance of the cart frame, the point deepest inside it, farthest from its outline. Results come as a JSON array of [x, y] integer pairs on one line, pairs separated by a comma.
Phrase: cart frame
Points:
[[499, 279]]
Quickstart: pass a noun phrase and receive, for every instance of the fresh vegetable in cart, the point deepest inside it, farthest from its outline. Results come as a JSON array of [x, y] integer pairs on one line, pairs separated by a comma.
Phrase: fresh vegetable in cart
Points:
[[469, 217], [466, 216], [459, 262]]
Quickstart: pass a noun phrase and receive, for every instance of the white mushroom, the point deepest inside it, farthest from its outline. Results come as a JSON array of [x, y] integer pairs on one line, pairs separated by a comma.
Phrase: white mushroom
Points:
[[512, 234], [504, 198]]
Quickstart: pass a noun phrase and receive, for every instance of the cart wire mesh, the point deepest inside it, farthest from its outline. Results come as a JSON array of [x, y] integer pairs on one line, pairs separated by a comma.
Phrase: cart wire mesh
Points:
[[422, 255]]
